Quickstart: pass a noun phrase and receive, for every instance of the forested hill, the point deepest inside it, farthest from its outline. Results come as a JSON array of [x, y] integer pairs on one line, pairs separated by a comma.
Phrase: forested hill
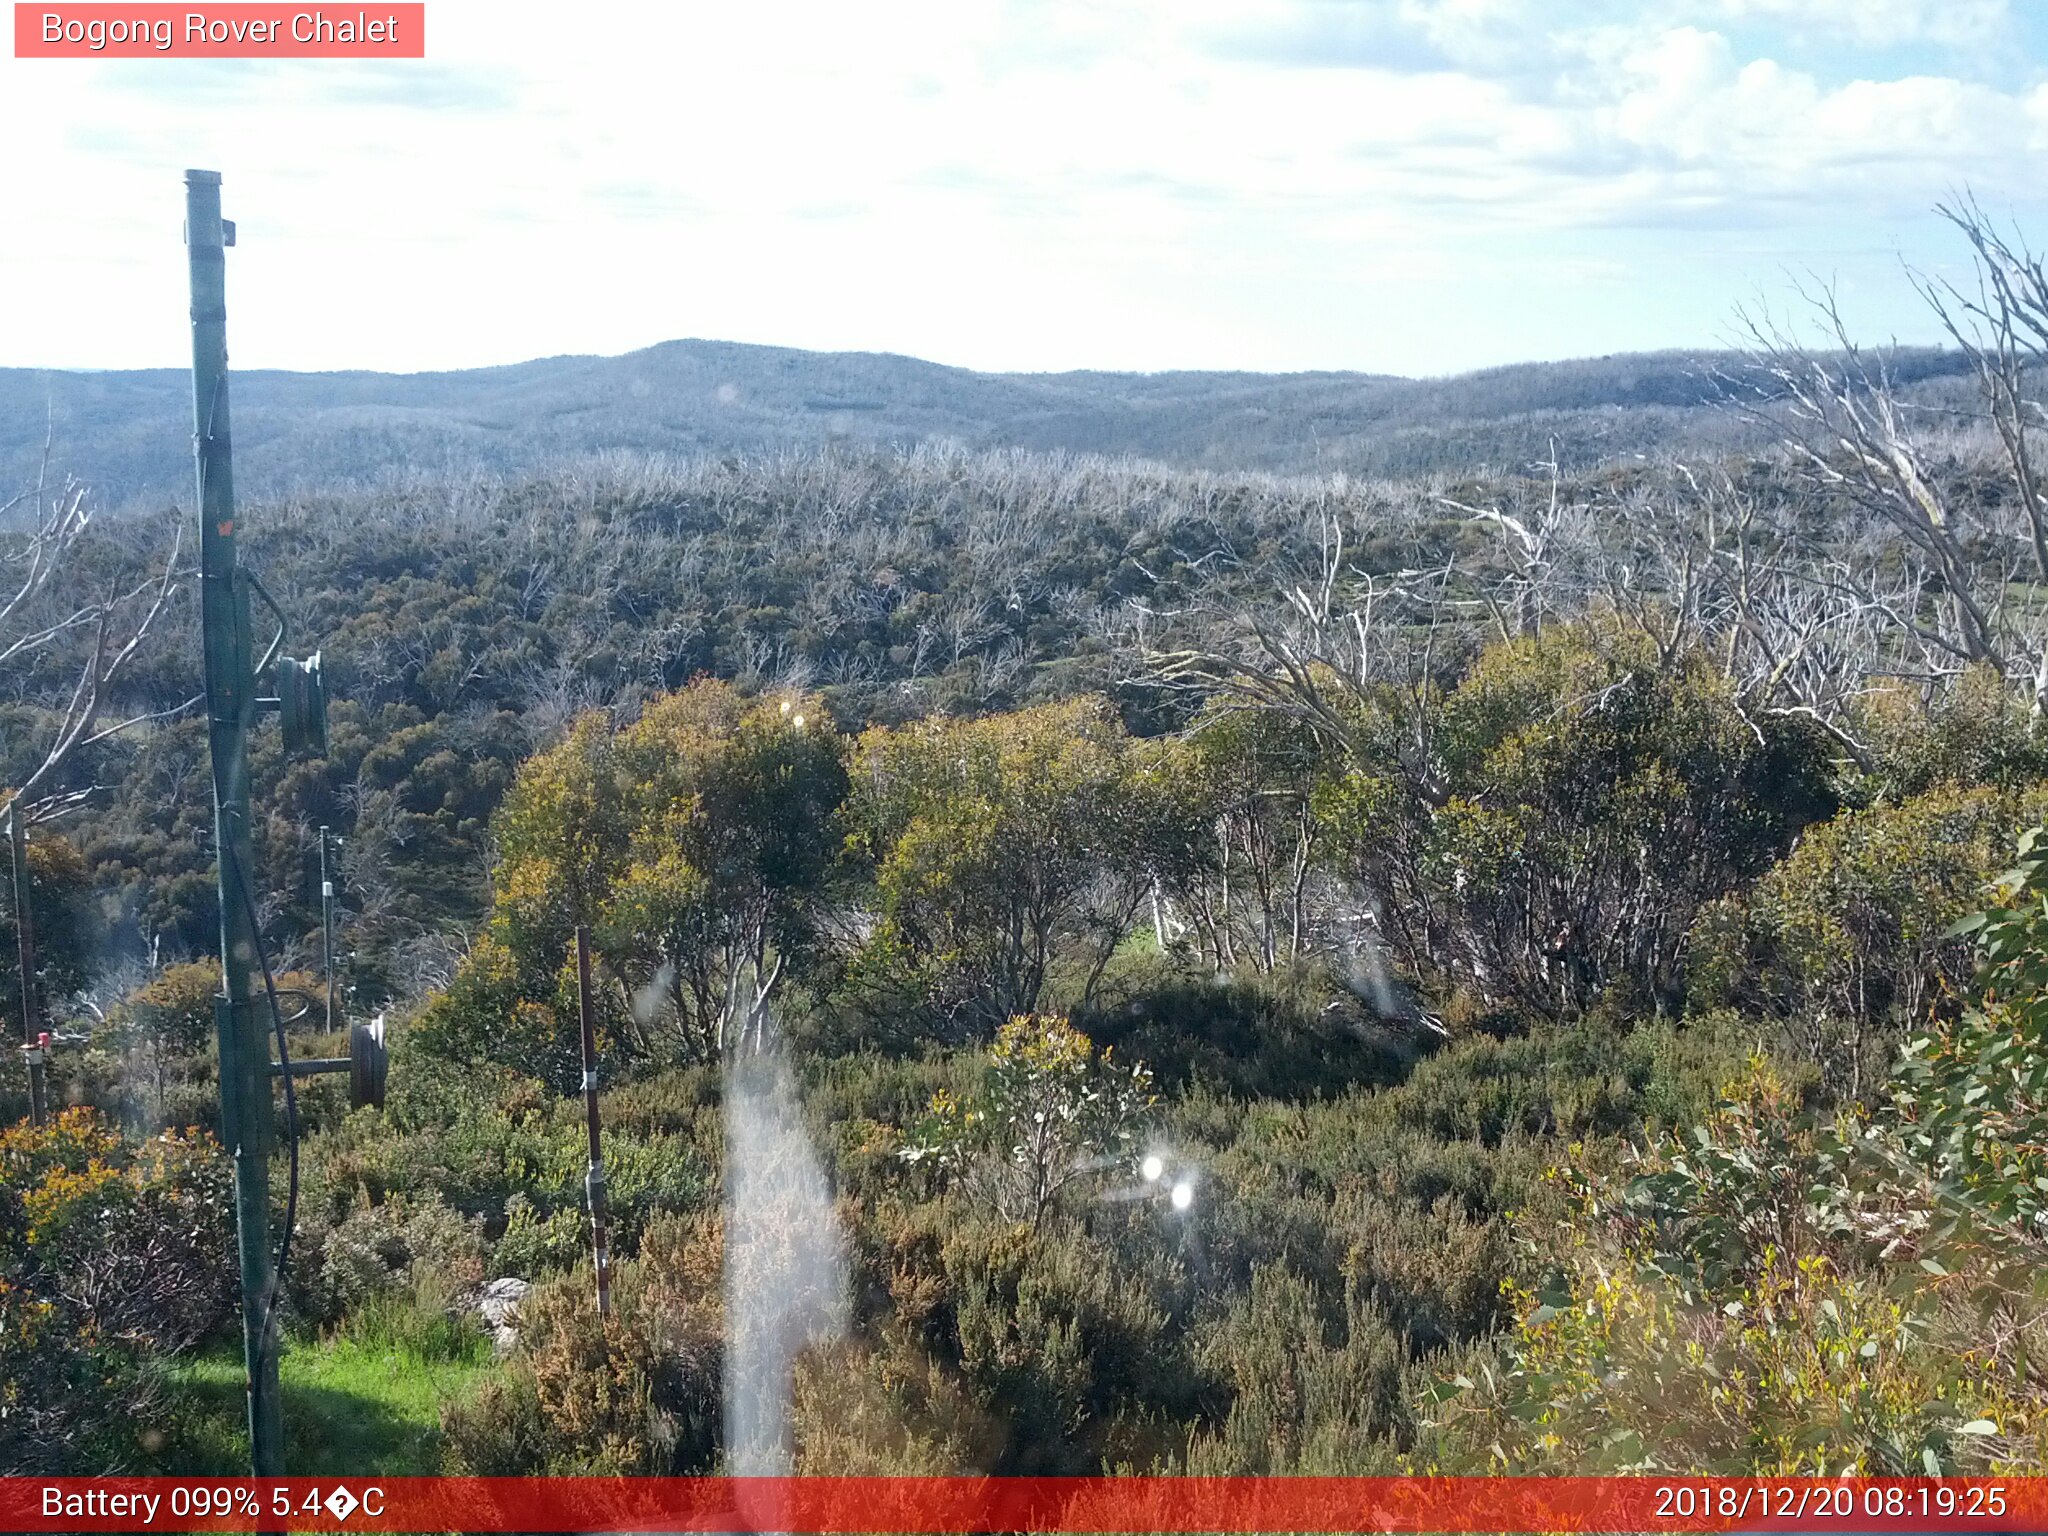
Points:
[[128, 432]]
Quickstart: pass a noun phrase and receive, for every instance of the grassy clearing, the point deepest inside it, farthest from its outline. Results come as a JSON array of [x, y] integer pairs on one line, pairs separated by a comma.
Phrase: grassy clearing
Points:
[[362, 1402]]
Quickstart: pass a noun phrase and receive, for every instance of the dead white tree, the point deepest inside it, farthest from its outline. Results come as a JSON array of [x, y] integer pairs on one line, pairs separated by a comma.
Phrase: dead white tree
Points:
[[1326, 652], [1548, 554], [1700, 562], [89, 628], [2002, 328], [1839, 416], [1978, 589]]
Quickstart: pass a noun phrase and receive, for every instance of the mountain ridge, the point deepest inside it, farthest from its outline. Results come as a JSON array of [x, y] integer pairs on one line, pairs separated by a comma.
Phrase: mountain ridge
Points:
[[127, 432]]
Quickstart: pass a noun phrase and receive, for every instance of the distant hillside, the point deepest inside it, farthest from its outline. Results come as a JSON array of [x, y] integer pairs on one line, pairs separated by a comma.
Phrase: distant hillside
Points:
[[129, 433]]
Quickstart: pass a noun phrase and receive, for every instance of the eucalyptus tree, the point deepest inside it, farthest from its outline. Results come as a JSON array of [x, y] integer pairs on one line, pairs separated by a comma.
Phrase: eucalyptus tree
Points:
[[693, 843]]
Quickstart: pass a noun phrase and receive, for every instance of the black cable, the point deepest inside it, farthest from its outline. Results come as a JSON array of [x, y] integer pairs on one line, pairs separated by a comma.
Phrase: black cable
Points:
[[267, 1333]]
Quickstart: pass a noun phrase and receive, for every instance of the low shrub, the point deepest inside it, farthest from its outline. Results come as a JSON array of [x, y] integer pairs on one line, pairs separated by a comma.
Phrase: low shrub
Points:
[[636, 1392], [111, 1254], [1308, 1395], [404, 1246]]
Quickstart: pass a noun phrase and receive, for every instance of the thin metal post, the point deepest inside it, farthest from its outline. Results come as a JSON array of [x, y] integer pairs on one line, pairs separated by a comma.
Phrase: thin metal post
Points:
[[593, 1181], [33, 1046], [245, 1095], [327, 929]]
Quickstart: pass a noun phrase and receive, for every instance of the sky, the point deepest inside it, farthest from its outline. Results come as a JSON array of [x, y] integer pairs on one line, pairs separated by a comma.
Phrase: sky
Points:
[[1395, 186]]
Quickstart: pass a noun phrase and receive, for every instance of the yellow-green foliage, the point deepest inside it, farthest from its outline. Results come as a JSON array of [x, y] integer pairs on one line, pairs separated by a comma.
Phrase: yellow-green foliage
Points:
[[176, 1005], [1976, 731], [1802, 1370], [1712, 1308], [1544, 833], [163, 1032], [1973, 1095], [1781, 1294], [1050, 1115], [1851, 931], [110, 1253], [691, 842], [1239, 837], [998, 844]]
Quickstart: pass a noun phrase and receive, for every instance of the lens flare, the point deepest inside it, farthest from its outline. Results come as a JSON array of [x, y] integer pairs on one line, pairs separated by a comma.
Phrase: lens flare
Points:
[[1183, 1195], [1152, 1167]]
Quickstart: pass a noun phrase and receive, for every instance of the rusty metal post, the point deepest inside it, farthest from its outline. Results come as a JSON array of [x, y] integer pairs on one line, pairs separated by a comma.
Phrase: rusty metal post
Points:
[[34, 1047], [593, 1181], [327, 930]]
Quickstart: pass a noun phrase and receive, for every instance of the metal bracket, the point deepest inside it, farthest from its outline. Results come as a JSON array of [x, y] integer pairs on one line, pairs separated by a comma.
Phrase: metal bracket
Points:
[[243, 573], [368, 1064]]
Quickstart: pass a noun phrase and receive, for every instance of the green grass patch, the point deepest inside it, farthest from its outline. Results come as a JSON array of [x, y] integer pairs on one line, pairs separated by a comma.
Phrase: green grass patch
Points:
[[365, 1401]]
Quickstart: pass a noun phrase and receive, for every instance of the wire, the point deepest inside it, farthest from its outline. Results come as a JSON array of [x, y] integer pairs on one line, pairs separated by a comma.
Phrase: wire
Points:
[[267, 1333]]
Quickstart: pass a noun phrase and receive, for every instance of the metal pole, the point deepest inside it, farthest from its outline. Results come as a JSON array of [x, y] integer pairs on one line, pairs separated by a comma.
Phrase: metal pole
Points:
[[245, 1099], [327, 929], [33, 1047], [593, 1181]]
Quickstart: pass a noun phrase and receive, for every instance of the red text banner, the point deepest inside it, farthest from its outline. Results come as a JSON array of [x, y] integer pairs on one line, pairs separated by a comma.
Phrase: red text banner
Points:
[[972, 1504], [233, 31]]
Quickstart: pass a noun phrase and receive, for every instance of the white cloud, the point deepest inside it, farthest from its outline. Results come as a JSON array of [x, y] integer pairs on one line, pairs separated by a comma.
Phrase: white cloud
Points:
[[1883, 23], [992, 181]]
